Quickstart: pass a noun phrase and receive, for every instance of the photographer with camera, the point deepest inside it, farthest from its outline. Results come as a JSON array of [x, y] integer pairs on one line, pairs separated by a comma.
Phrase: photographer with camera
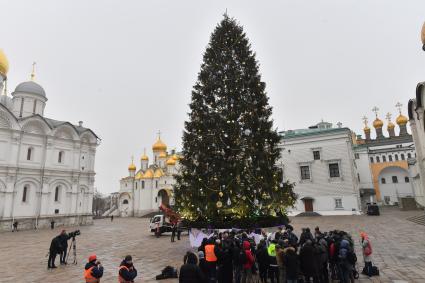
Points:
[[93, 270], [127, 272], [55, 248], [63, 238]]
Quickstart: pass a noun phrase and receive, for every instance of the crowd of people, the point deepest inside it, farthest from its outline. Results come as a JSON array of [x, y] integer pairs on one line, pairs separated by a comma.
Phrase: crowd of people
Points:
[[279, 257]]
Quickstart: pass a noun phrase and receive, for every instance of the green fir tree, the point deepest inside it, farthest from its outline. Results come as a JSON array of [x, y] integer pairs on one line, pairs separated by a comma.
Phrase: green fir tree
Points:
[[230, 149]]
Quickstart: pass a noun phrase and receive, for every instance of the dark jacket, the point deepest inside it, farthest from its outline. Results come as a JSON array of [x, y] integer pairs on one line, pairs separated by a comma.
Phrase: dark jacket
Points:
[[190, 272], [55, 245], [308, 260], [63, 238], [262, 255], [128, 275], [292, 263], [203, 266], [97, 271]]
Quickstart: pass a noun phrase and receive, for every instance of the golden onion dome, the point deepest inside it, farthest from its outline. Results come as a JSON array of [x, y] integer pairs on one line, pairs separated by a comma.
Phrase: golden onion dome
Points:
[[163, 154], [144, 157], [366, 129], [176, 157], [4, 64], [148, 174], [402, 120], [159, 146], [132, 167], [171, 161], [158, 173], [378, 123], [390, 126]]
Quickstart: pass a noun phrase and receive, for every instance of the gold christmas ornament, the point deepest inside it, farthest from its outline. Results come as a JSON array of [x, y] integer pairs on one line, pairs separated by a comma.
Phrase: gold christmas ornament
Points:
[[220, 194], [219, 204]]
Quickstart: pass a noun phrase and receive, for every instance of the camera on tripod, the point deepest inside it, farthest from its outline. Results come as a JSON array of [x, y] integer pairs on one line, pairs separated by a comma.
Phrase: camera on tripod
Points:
[[74, 234]]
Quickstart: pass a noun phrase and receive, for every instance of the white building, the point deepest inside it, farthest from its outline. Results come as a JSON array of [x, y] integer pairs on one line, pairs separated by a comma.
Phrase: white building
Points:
[[320, 161], [46, 166], [382, 162], [416, 109], [144, 190]]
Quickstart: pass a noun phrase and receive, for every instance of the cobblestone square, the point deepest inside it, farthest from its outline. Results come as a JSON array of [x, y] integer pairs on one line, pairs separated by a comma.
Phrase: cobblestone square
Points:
[[399, 248]]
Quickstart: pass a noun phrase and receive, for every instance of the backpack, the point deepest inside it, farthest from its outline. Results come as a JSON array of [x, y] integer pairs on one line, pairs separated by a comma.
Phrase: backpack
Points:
[[242, 258], [351, 257]]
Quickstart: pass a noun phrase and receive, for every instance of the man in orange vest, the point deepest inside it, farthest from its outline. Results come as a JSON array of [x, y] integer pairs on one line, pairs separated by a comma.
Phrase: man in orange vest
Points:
[[93, 270], [127, 272], [211, 259]]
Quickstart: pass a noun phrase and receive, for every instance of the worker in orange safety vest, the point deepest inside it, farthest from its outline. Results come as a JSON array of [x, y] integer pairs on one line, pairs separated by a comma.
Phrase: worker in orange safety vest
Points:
[[93, 270], [127, 272]]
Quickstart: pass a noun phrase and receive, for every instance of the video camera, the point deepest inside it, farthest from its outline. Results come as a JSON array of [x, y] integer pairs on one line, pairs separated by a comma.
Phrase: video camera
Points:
[[74, 234]]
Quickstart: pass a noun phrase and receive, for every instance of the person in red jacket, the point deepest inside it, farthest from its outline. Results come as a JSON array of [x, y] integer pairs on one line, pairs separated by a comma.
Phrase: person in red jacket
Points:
[[248, 262]]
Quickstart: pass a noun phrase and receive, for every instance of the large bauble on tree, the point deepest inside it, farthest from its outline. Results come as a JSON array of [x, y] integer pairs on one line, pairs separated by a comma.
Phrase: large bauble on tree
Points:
[[229, 170]]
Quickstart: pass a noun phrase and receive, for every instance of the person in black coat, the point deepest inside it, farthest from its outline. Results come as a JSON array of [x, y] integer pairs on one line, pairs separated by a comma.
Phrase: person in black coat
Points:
[[292, 265], [190, 272], [308, 262], [63, 237], [127, 270], [55, 248], [262, 260]]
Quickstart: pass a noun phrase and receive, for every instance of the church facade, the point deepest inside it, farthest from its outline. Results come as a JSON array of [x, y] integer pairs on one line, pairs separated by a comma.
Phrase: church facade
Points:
[[144, 190], [46, 166], [382, 161]]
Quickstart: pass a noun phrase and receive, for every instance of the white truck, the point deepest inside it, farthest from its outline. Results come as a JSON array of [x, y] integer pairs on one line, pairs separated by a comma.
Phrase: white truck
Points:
[[159, 224]]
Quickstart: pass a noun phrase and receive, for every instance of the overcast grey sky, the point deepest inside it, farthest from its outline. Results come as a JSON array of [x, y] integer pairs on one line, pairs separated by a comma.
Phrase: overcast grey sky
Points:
[[126, 68]]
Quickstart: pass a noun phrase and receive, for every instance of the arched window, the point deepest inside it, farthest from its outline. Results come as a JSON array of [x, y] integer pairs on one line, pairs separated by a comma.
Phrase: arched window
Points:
[[409, 155], [406, 179], [61, 156], [396, 157], [57, 189], [402, 156], [143, 184], [29, 153], [378, 159], [136, 185], [390, 158], [371, 160], [24, 194], [125, 201], [384, 158]]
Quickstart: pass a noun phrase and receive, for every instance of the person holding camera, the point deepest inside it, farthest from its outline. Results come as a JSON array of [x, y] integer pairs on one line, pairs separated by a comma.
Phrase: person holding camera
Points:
[[93, 270], [63, 237], [55, 248], [127, 272]]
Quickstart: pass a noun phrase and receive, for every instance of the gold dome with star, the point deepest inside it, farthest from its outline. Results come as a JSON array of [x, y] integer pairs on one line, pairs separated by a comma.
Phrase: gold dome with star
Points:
[[171, 161], [4, 64], [132, 167]]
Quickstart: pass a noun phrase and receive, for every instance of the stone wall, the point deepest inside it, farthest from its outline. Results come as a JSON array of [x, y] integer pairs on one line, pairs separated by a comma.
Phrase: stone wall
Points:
[[44, 222]]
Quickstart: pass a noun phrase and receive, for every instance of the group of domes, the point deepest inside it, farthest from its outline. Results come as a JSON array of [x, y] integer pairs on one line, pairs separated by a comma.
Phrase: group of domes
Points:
[[30, 87], [378, 123], [158, 147]]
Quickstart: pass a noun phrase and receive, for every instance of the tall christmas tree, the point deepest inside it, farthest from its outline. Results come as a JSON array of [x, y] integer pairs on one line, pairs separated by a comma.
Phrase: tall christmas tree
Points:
[[230, 148]]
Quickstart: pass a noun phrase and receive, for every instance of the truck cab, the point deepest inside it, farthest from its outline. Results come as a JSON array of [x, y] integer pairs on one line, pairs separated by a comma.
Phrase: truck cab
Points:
[[159, 224]]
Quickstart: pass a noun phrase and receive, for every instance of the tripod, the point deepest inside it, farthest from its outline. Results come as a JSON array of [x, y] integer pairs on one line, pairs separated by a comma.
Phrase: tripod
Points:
[[74, 251]]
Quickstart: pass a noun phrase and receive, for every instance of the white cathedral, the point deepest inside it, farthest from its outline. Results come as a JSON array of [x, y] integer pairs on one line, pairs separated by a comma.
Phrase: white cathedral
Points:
[[144, 190], [46, 166]]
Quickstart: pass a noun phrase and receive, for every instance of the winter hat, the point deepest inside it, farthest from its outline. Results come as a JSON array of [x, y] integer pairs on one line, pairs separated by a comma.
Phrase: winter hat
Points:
[[363, 235], [201, 255], [92, 257], [128, 258]]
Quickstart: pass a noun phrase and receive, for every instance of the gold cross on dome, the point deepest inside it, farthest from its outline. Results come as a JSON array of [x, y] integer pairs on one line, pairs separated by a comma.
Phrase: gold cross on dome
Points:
[[375, 110], [399, 105], [364, 118], [388, 116], [159, 135]]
